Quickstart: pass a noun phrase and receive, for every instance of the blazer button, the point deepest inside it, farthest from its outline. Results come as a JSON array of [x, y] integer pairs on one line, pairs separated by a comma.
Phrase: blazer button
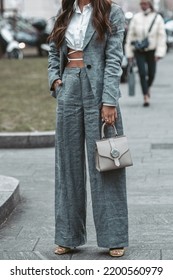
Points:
[[89, 66]]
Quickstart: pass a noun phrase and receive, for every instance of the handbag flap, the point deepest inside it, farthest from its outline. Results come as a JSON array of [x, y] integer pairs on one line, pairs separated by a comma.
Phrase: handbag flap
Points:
[[105, 146]]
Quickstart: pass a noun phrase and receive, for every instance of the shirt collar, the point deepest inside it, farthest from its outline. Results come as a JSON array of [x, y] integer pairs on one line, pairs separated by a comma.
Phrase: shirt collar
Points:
[[77, 9]]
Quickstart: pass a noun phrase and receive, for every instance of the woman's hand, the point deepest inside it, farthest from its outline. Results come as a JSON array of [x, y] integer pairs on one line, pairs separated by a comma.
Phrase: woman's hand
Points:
[[109, 114], [57, 83], [157, 58]]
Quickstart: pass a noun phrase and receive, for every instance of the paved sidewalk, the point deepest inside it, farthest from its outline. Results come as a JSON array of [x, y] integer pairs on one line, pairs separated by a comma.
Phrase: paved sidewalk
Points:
[[29, 231]]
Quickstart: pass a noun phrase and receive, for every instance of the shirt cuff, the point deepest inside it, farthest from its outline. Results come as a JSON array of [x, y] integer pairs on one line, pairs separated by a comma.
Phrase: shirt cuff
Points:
[[108, 104]]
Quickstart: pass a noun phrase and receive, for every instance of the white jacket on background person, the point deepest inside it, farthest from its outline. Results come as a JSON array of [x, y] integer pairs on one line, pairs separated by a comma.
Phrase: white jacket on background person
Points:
[[138, 30]]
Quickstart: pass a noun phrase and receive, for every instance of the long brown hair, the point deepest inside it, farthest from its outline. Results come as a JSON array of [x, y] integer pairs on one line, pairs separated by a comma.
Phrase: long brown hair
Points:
[[100, 19]]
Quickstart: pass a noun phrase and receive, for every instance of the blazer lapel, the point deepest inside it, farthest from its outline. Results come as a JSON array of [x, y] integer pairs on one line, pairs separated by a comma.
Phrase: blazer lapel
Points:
[[64, 47], [89, 33]]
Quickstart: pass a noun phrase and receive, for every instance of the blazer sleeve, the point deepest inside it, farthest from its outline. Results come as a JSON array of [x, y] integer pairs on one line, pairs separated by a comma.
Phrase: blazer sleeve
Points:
[[113, 57], [53, 66]]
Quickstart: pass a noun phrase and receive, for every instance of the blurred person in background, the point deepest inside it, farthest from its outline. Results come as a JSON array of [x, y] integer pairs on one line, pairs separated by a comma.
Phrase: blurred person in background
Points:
[[146, 58]]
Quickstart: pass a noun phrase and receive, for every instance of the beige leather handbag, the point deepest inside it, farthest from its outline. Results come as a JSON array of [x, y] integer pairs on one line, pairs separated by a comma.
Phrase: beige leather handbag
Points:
[[112, 153]]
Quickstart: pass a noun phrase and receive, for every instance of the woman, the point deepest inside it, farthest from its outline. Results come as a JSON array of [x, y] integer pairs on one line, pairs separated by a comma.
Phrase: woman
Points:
[[84, 73], [147, 58]]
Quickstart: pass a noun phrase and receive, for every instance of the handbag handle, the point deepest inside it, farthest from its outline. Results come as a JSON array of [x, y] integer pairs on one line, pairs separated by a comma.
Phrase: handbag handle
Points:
[[103, 130]]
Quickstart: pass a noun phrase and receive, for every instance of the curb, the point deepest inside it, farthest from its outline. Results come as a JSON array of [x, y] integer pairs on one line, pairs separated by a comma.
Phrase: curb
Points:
[[10, 140], [9, 196]]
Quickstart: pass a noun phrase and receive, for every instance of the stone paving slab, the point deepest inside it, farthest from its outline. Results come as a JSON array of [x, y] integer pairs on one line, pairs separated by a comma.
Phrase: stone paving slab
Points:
[[15, 255], [10, 140], [84, 253], [9, 196], [94, 253], [167, 254]]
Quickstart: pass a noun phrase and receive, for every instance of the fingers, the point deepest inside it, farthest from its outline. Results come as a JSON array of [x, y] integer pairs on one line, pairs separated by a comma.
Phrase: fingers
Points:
[[109, 114], [110, 119], [57, 83], [60, 82]]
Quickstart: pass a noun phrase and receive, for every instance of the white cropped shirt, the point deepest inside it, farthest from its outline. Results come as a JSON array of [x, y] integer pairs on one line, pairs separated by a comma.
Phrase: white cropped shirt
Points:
[[77, 27]]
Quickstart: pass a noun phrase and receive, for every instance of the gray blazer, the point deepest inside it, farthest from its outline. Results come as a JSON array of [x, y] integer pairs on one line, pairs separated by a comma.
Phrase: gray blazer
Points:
[[102, 60]]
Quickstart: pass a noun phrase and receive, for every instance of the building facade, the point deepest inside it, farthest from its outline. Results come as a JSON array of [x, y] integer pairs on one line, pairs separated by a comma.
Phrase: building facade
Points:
[[49, 8], [34, 8]]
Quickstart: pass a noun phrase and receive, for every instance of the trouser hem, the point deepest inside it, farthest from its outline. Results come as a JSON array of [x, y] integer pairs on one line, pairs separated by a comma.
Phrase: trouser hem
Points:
[[113, 245], [69, 243]]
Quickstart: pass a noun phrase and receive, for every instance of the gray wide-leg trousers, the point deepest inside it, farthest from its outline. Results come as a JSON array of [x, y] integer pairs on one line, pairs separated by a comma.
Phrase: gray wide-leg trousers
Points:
[[79, 121]]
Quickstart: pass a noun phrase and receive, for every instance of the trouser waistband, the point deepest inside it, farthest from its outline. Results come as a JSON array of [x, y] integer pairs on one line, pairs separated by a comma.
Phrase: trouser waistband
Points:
[[75, 70]]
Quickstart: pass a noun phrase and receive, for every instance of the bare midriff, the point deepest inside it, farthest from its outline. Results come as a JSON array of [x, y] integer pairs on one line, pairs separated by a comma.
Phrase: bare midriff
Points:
[[75, 59]]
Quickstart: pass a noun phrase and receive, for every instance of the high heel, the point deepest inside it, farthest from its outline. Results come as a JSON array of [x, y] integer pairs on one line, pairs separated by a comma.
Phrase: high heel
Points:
[[60, 250], [146, 100], [116, 252], [146, 104]]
